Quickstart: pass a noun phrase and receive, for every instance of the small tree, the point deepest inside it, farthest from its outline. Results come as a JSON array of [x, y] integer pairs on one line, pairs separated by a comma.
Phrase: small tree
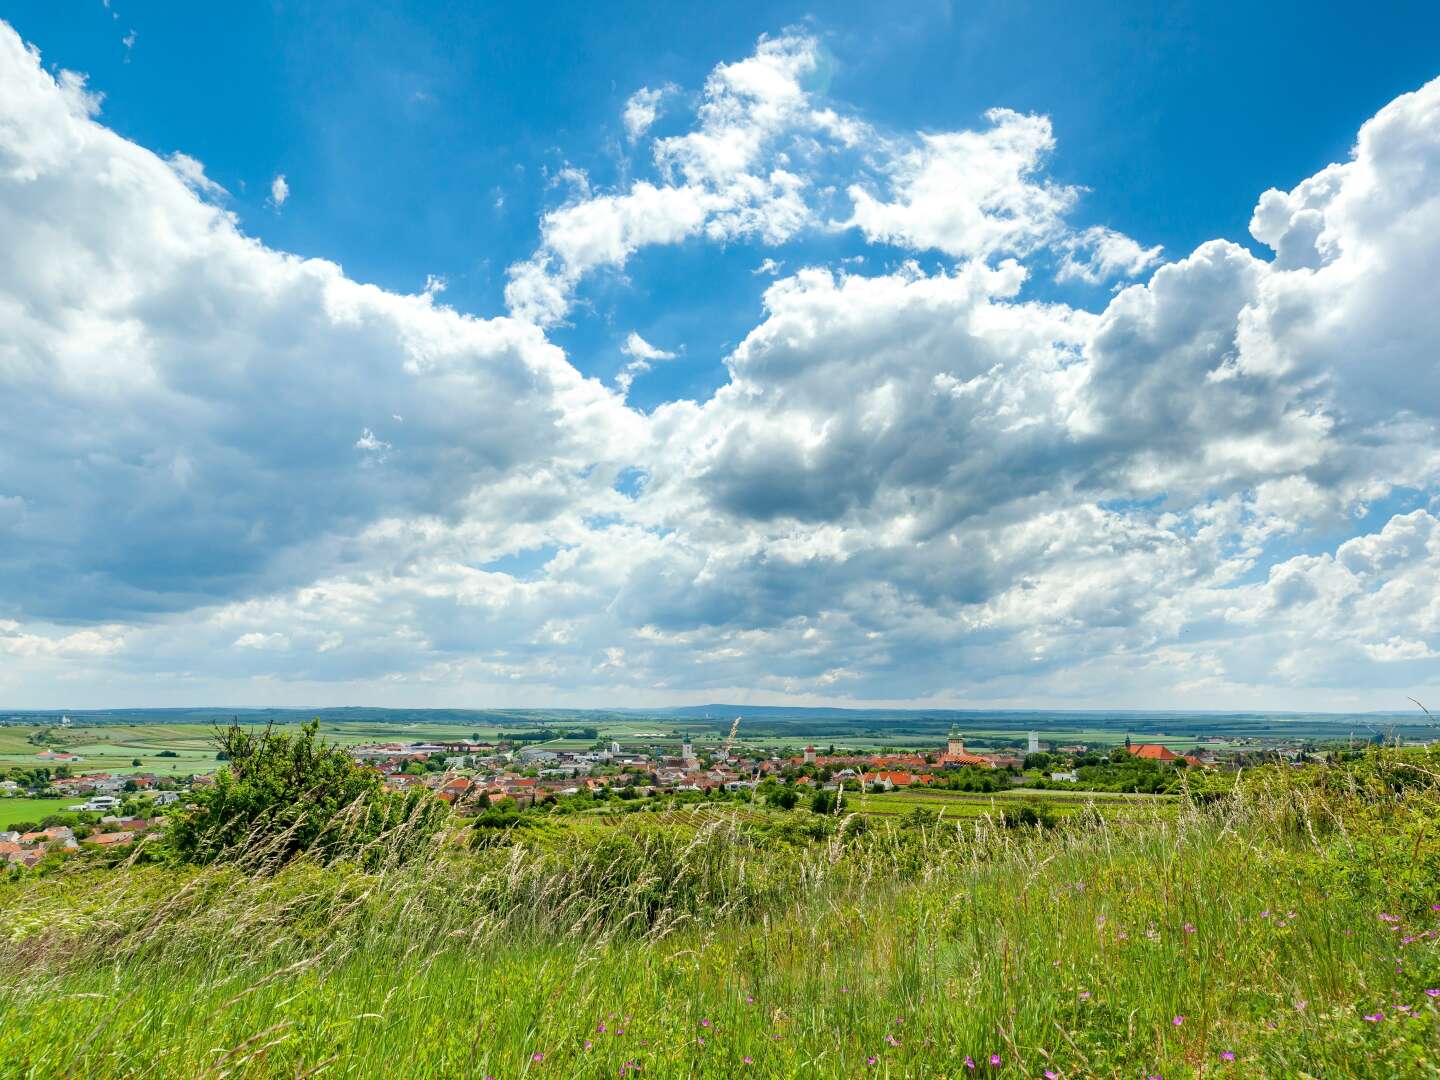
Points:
[[285, 795]]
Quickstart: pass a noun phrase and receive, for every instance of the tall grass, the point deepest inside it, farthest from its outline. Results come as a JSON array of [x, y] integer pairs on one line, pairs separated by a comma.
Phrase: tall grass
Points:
[[718, 943]]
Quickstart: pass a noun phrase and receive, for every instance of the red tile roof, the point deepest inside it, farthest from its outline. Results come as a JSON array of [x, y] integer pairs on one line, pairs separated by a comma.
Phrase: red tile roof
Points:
[[1154, 752]]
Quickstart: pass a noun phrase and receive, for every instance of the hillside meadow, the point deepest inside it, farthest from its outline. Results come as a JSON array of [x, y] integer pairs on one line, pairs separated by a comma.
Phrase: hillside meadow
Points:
[[1285, 929]]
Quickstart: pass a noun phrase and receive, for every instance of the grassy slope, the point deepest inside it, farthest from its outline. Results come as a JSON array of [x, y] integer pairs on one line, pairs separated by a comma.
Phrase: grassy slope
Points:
[[1258, 923]]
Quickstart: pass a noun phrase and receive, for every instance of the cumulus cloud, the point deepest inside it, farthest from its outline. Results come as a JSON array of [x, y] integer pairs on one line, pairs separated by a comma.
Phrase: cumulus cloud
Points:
[[279, 191], [642, 355], [1099, 254], [1215, 486], [642, 109]]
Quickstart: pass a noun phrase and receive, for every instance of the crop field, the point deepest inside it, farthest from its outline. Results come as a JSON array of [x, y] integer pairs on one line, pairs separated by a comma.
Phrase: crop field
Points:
[[13, 810], [974, 804]]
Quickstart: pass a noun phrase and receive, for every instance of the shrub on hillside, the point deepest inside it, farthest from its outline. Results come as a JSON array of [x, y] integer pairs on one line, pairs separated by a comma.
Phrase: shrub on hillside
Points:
[[284, 795]]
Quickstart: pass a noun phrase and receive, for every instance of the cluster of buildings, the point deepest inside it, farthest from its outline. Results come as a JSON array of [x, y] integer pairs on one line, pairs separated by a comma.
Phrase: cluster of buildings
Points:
[[467, 772], [28, 848]]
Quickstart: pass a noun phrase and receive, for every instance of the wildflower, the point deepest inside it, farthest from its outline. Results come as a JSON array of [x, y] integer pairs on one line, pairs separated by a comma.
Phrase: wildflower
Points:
[[892, 1040], [1051, 1074], [587, 1044], [704, 1023], [1265, 914], [1389, 918], [1433, 993], [1227, 1055], [1188, 928], [537, 1056], [995, 1060], [749, 1000], [1084, 995], [1178, 1021], [701, 1040], [1375, 1018], [969, 1062], [748, 1060], [600, 1027], [871, 1060]]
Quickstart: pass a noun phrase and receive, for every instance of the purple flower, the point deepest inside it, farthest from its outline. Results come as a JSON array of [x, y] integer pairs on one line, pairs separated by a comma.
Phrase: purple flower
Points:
[[892, 1040], [537, 1056], [1178, 1021], [704, 1023], [1433, 993], [871, 1060], [587, 1044], [969, 1062], [1227, 1055], [1051, 1074], [1188, 928], [748, 1060], [995, 1060], [1084, 995], [1389, 918], [600, 1027], [1375, 1017]]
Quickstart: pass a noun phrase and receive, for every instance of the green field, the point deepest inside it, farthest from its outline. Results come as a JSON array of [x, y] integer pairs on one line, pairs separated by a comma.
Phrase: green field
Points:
[[966, 804], [13, 810], [1284, 930]]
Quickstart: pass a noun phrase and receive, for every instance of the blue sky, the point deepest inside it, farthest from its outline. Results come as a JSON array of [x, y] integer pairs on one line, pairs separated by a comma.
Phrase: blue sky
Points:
[[399, 126], [825, 383]]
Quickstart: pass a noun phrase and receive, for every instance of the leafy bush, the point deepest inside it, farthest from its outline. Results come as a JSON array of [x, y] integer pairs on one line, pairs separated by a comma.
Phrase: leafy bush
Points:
[[285, 795]]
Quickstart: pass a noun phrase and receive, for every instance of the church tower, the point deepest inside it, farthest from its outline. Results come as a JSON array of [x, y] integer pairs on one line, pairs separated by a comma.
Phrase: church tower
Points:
[[955, 744]]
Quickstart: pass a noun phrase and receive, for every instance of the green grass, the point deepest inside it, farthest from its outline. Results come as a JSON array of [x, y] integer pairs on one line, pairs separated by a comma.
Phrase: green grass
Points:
[[808, 947], [13, 810]]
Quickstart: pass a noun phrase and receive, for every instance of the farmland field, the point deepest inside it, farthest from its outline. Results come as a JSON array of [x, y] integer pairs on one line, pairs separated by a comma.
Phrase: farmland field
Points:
[[974, 804], [13, 810]]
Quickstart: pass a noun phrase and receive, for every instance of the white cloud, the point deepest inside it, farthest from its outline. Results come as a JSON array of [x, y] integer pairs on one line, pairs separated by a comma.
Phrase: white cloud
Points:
[[971, 194], [643, 356], [917, 483], [1099, 254], [192, 172], [643, 108], [279, 191]]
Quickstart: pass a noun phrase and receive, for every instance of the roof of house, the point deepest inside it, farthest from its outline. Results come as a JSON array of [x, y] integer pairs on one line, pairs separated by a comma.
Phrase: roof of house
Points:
[[112, 838], [1154, 752]]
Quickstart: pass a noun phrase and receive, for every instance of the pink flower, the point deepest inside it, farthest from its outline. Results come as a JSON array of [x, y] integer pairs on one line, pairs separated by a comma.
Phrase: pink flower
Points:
[[1051, 1074], [1227, 1055], [587, 1044], [871, 1060], [892, 1040], [704, 1023], [1188, 928], [1178, 1021], [537, 1056], [969, 1062], [1433, 993], [601, 1028], [995, 1060], [748, 1060], [1375, 1017], [1084, 995]]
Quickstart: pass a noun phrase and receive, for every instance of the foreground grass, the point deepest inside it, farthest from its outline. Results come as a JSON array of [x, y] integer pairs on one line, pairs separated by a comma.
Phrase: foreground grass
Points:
[[1268, 928]]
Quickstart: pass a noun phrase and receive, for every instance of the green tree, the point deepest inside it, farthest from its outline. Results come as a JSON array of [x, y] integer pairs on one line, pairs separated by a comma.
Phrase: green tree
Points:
[[283, 795]]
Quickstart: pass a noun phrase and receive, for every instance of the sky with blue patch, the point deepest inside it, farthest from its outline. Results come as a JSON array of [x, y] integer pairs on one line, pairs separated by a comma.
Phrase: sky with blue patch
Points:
[[1109, 397]]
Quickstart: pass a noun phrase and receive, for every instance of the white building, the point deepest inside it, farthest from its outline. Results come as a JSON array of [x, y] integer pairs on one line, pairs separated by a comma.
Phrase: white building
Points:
[[1034, 747]]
